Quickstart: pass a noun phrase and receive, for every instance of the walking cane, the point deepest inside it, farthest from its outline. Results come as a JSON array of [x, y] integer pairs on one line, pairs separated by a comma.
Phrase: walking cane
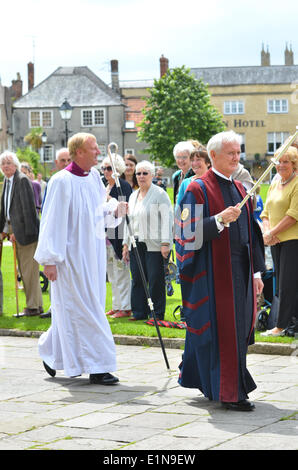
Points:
[[15, 276], [135, 249], [1, 245]]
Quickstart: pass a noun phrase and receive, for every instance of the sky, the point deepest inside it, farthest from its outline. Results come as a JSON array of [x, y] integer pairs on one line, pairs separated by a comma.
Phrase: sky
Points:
[[91, 33]]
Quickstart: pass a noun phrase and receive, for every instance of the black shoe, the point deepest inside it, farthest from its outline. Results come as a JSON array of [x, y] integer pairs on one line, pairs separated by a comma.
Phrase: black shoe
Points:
[[103, 379], [243, 405], [50, 371], [46, 314]]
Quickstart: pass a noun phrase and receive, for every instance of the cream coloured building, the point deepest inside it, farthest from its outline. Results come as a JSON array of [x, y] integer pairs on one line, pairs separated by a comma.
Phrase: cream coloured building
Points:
[[258, 102]]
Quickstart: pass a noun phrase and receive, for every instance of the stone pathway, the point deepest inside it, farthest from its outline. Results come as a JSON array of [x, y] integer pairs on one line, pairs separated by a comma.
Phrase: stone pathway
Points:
[[148, 410]]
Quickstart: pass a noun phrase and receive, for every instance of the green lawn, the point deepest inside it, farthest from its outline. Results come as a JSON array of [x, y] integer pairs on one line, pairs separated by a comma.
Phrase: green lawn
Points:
[[120, 326]]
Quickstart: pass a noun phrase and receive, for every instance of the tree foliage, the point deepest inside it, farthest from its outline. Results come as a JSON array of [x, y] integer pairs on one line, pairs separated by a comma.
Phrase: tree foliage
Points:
[[34, 139], [26, 154], [177, 109]]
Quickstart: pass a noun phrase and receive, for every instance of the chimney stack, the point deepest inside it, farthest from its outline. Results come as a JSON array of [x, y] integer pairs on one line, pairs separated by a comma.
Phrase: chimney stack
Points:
[[115, 75], [164, 65], [289, 56], [17, 87], [30, 76], [265, 57]]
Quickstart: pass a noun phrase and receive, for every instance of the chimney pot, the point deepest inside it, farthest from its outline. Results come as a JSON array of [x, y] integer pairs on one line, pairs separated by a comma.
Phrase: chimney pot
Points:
[[30, 76], [164, 65], [289, 56], [17, 87], [115, 75]]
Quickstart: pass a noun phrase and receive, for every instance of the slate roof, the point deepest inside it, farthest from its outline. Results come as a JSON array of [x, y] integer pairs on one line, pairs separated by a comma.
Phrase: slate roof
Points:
[[137, 83], [247, 75], [79, 85]]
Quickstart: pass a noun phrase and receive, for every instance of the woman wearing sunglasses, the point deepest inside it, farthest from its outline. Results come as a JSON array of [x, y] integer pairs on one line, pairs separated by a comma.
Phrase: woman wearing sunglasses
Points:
[[117, 270], [151, 221]]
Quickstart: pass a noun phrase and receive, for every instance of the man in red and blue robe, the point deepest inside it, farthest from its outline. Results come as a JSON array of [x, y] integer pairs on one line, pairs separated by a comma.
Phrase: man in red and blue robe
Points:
[[219, 279]]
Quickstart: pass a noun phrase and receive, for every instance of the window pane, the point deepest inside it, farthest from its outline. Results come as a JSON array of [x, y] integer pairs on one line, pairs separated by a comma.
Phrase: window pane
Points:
[[87, 118], [277, 106], [227, 107], [48, 153], [270, 137], [46, 119], [234, 107], [284, 106], [34, 119], [98, 117], [240, 107], [102, 149]]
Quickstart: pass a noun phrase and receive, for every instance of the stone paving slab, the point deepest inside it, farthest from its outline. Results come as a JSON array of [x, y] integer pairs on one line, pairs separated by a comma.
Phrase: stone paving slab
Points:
[[146, 411]]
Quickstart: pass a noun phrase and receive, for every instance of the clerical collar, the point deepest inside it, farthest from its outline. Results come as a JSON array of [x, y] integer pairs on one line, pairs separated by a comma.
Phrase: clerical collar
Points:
[[221, 175], [76, 169]]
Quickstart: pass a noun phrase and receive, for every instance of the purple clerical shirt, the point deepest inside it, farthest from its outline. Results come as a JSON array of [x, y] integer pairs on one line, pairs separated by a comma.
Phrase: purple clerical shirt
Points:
[[76, 169]]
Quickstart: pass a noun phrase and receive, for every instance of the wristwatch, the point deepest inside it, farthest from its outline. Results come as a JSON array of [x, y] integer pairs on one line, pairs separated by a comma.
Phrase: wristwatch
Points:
[[219, 219]]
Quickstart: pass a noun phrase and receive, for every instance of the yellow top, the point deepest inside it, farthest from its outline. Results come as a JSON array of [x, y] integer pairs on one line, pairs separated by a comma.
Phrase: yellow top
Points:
[[282, 201]]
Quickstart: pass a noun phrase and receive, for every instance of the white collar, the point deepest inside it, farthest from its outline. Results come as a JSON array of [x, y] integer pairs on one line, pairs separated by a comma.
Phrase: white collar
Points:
[[10, 179], [221, 175]]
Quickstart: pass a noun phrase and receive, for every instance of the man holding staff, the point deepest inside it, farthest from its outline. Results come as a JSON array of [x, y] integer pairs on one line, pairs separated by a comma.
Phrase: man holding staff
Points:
[[72, 248], [19, 221], [220, 280]]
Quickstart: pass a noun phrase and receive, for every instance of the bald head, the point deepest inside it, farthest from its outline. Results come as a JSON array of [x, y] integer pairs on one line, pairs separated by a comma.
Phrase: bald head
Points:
[[62, 159]]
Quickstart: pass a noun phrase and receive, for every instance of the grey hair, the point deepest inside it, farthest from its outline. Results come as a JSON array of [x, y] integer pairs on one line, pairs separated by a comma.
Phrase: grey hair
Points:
[[216, 142], [62, 150], [8, 154], [185, 146], [118, 162], [146, 165]]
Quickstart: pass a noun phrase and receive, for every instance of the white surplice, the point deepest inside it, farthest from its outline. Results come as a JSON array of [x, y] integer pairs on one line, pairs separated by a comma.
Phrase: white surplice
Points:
[[72, 237]]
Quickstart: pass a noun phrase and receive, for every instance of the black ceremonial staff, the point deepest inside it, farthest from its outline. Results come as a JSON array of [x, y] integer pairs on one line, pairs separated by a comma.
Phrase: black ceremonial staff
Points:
[[135, 248]]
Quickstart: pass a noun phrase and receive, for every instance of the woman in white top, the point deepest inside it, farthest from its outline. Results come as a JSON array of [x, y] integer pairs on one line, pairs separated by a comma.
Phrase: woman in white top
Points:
[[151, 221]]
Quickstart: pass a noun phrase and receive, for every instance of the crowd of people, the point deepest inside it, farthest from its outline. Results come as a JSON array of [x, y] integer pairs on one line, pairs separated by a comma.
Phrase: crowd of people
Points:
[[87, 226]]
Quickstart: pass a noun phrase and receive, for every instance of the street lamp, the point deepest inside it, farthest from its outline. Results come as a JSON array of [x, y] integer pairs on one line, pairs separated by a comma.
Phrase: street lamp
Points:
[[65, 113], [44, 139]]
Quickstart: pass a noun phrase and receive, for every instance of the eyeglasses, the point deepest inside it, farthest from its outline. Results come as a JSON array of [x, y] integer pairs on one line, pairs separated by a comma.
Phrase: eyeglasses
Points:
[[139, 173], [106, 168], [182, 157]]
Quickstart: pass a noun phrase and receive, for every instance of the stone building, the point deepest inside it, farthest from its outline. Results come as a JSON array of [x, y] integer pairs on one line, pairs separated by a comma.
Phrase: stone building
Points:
[[97, 108], [258, 102]]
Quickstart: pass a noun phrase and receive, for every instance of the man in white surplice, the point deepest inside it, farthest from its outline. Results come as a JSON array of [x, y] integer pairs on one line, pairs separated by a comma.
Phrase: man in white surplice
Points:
[[72, 249]]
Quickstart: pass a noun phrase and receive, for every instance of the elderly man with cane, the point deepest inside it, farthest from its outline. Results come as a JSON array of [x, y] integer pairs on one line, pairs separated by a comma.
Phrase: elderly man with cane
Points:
[[19, 221]]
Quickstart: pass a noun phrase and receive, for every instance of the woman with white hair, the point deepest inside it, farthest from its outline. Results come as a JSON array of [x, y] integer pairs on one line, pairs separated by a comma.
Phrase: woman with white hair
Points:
[[117, 270], [151, 221], [182, 152]]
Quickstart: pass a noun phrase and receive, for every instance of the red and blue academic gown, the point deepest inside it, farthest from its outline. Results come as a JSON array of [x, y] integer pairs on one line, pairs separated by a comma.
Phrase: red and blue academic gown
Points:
[[219, 301]]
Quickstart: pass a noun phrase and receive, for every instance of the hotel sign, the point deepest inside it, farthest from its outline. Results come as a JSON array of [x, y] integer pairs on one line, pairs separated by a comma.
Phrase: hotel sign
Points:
[[238, 123]]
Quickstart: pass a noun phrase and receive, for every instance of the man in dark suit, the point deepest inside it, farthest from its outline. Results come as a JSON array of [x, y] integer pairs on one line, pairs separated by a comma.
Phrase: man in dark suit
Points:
[[19, 221]]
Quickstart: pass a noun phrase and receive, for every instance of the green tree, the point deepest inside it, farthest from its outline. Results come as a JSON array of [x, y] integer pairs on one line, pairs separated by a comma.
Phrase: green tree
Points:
[[34, 139], [25, 154], [177, 109]]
